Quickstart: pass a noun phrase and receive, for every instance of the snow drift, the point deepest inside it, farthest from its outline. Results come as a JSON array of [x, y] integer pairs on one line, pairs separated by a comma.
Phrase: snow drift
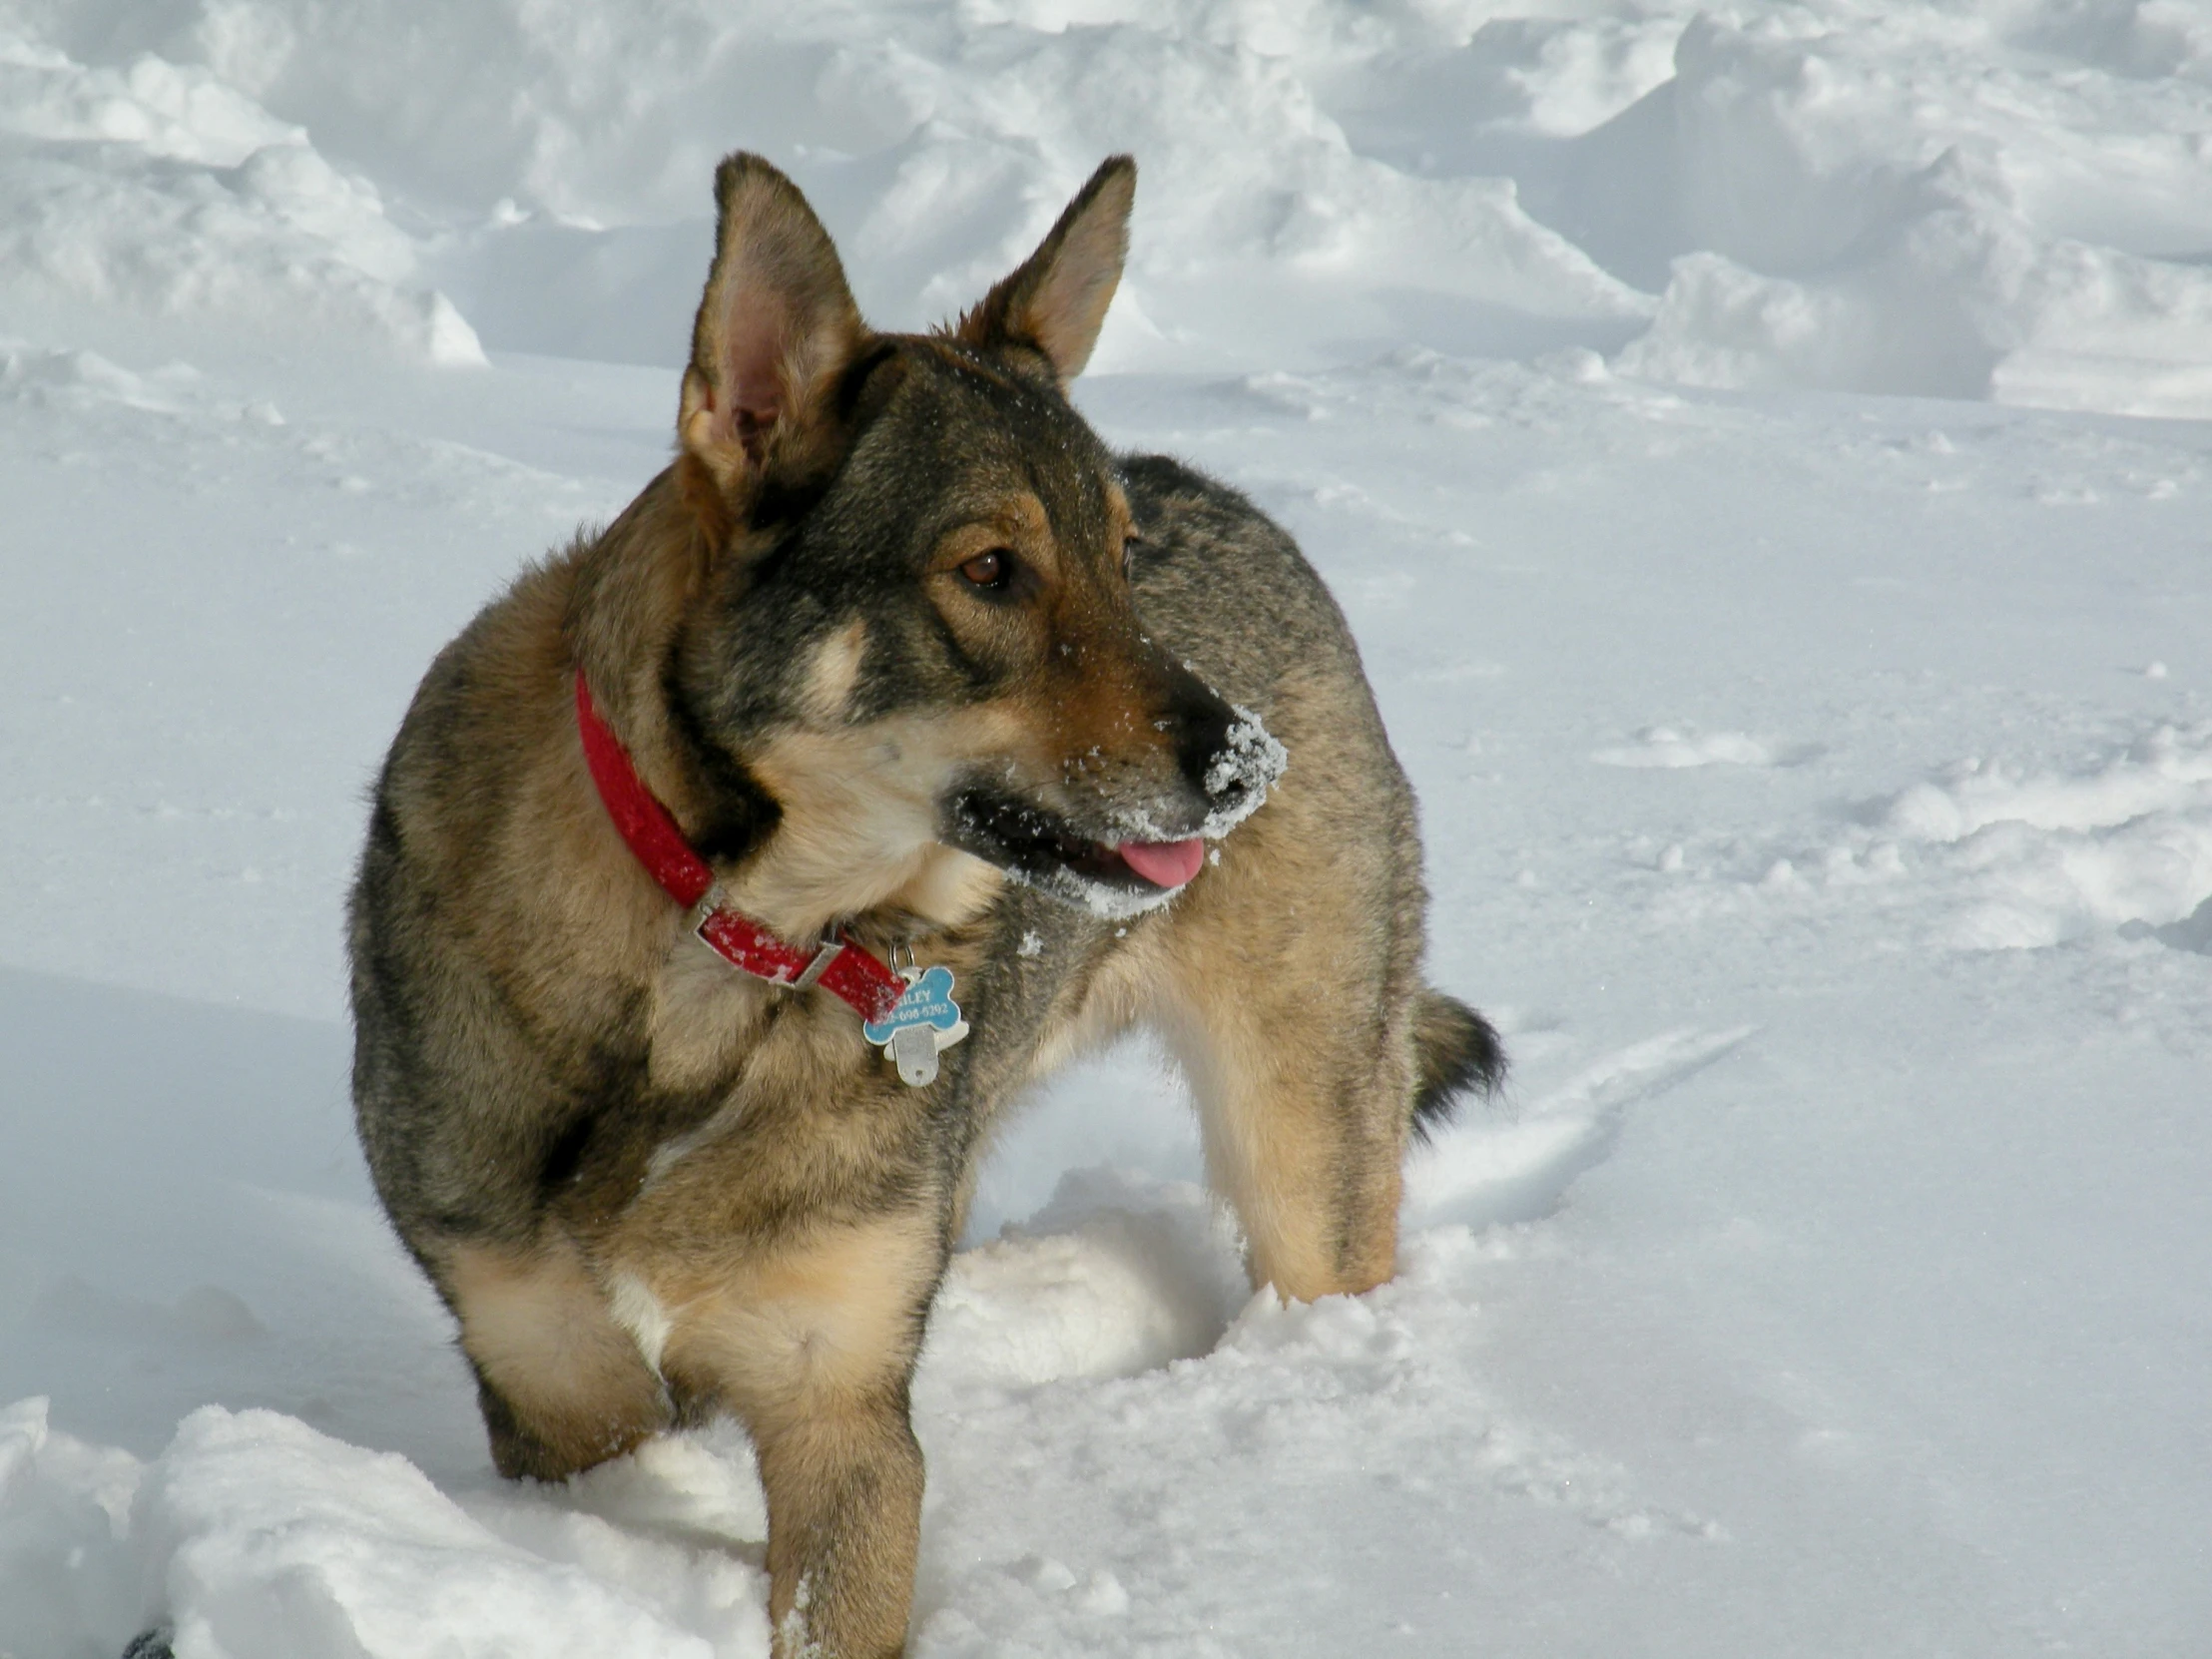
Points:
[[2008, 202]]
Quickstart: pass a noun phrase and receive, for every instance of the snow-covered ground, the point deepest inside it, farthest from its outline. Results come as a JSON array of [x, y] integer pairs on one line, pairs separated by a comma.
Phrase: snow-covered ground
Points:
[[1766, 453]]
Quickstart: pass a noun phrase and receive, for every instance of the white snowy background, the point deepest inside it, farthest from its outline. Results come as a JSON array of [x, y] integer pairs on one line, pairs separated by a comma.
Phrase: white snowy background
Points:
[[1766, 453]]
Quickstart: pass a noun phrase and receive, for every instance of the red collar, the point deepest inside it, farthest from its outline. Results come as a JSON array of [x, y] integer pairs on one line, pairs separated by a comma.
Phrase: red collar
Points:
[[837, 966]]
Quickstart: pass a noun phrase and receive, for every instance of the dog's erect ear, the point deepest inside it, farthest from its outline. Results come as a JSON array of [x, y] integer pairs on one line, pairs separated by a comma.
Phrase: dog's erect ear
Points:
[[1058, 298], [775, 329]]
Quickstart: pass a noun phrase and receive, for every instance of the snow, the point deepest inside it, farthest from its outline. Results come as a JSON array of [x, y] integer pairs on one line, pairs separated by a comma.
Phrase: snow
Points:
[[1762, 451]]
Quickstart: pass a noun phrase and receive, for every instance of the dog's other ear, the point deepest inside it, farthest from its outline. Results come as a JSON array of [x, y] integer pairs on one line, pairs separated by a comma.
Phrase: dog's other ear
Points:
[[775, 329], [1057, 301]]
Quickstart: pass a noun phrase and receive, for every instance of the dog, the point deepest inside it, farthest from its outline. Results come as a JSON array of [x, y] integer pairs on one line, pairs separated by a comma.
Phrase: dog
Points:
[[734, 871]]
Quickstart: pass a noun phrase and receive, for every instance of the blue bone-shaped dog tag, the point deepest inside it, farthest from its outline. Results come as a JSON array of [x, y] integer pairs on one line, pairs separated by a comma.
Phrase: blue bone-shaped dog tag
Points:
[[925, 1020], [928, 1001]]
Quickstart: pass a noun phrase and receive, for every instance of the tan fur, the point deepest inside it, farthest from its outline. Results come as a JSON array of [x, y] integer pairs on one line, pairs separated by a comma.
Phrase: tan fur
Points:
[[834, 672], [704, 1016], [538, 1329], [830, 1318], [861, 823], [810, 1350]]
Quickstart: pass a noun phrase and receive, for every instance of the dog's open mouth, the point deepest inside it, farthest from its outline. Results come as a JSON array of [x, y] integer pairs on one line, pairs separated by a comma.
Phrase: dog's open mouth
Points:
[[1040, 847], [1129, 872]]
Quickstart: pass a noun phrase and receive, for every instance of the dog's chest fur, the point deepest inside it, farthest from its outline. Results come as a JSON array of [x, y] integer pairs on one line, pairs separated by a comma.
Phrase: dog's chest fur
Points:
[[749, 1106]]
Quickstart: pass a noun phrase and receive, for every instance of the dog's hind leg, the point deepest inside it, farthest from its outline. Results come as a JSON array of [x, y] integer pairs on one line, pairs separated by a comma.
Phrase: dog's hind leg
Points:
[[1292, 983], [561, 1383], [812, 1348], [1304, 1125], [1308, 1102]]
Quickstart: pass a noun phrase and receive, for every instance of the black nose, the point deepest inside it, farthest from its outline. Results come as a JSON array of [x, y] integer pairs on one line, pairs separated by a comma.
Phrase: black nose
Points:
[[1202, 722]]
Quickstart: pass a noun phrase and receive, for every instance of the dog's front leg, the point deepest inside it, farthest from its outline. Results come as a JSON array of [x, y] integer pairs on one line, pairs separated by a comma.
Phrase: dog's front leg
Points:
[[843, 1490], [812, 1346]]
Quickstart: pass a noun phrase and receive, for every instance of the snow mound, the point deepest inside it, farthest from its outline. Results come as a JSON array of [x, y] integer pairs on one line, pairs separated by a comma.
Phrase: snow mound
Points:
[[47, 377], [1666, 746], [256, 1535], [65, 1507], [253, 1536], [1850, 216], [2124, 845], [1116, 1276], [271, 1539], [158, 191], [1097, 1333], [1991, 856]]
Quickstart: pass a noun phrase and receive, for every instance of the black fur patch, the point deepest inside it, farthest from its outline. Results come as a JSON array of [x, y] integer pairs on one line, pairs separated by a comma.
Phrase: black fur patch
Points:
[[1456, 1050], [856, 382], [744, 812], [564, 1157]]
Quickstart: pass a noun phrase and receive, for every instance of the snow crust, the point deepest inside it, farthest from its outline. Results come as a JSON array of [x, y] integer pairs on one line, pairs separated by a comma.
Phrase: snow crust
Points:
[[1760, 451]]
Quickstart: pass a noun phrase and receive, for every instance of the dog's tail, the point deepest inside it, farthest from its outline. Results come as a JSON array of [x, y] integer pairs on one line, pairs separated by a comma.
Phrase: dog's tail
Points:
[[1455, 1050]]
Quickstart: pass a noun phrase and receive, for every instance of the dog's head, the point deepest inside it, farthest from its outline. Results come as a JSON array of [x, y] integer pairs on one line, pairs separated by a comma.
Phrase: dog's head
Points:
[[914, 624]]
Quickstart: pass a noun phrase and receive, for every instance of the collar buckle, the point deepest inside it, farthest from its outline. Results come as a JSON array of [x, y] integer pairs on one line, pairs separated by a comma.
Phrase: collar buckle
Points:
[[833, 947]]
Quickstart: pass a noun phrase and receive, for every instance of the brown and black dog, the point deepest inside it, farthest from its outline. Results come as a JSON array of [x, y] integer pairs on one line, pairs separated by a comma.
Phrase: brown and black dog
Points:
[[906, 652]]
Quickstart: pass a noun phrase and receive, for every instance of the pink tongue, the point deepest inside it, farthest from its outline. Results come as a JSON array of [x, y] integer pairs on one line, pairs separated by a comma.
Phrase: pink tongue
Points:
[[1163, 863]]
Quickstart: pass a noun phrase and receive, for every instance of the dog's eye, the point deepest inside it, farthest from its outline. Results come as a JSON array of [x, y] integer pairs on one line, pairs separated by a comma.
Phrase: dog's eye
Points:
[[991, 572]]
